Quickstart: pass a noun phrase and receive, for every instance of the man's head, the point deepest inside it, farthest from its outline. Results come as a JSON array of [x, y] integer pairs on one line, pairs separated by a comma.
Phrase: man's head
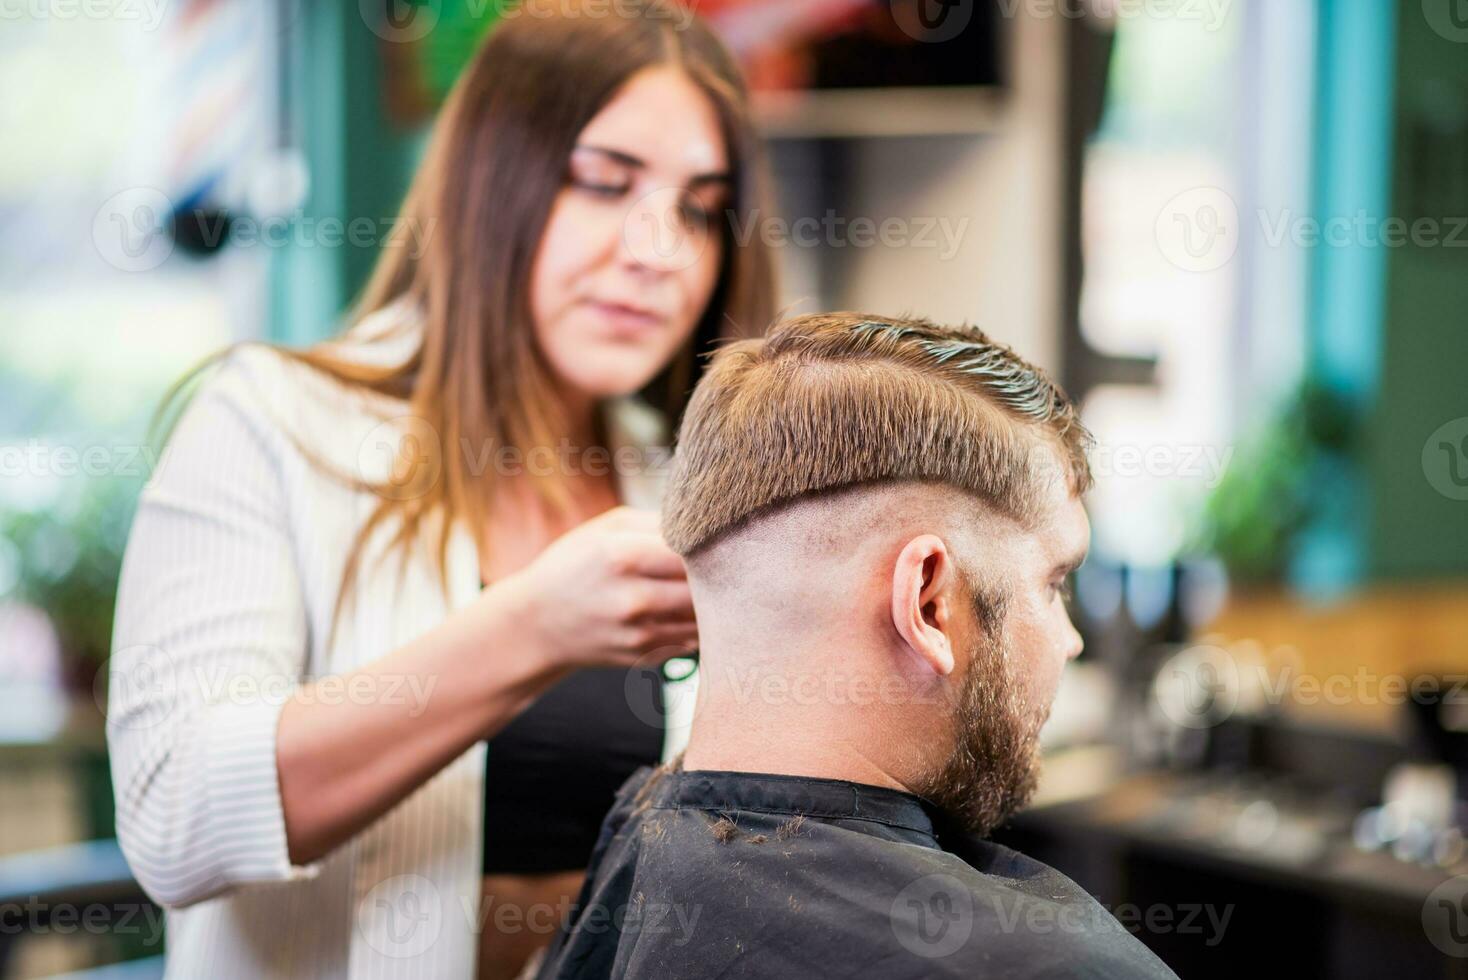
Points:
[[893, 504]]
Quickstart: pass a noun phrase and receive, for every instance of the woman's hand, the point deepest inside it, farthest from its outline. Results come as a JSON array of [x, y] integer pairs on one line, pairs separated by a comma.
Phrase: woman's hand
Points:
[[609, 592]]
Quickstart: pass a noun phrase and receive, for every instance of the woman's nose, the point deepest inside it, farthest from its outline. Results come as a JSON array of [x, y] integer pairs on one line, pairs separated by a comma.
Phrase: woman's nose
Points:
[[657, 234]]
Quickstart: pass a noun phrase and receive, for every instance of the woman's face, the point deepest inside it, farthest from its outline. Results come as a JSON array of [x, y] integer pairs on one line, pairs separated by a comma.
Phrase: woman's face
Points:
[[632, 250]]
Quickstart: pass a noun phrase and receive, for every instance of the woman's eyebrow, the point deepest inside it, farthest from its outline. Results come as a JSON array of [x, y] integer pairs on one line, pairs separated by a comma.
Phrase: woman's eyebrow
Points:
[[628, 160]]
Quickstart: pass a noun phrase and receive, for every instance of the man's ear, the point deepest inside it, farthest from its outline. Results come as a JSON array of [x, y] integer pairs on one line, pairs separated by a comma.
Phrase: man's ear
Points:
[[923, 582]]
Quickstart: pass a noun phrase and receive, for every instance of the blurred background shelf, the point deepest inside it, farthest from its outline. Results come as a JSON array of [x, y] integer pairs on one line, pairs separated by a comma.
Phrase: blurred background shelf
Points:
[[964, 110]]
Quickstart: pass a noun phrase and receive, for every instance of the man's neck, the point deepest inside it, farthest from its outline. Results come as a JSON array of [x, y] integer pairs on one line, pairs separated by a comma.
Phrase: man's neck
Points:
[[855, 767], [741, 732]]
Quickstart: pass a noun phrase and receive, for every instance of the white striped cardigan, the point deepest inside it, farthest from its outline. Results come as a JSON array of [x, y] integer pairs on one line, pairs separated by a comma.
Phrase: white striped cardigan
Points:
[[228, 581]]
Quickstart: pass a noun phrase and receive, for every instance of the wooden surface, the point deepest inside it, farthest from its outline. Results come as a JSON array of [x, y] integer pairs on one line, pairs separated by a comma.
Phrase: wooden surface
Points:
[[1340, 655]]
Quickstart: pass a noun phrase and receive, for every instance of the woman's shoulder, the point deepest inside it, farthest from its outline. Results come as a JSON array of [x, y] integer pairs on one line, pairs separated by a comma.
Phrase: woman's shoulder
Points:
[[380, 338], [270, 388], [384, 337], [290, 403]]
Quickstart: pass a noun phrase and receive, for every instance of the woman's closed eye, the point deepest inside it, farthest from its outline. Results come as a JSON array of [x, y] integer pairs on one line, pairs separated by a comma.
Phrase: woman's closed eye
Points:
[[694, 214], [600, 175], [607, 190]]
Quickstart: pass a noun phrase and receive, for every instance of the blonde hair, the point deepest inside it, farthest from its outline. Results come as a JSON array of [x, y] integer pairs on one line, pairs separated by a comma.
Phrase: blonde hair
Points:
[[837, 400]]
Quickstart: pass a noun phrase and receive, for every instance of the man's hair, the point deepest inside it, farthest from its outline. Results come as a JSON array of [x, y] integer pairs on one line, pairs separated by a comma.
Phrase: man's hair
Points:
[[837, 400]]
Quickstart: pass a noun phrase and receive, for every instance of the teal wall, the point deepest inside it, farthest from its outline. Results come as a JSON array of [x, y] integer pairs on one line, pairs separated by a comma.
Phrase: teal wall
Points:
[[360, 163], [1352, 164], [1417, 531], [1389, 321], [1351, 173]]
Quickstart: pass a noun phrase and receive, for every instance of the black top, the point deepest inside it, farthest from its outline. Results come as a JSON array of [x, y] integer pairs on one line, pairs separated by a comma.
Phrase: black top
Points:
[[552, 773], [733, 875]]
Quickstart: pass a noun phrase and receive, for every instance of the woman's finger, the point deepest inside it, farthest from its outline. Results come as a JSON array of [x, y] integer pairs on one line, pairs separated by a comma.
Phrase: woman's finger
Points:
[[665, 649], [650, 637], [649, 555], [665, 600], [624, 518], [667, 642]]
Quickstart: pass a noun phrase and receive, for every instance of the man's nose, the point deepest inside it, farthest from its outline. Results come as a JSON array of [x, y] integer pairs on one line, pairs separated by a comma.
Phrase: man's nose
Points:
[[1075, 643]]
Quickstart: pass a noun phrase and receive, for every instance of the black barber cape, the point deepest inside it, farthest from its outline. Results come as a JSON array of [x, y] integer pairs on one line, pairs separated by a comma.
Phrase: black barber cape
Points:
[[723, 874]]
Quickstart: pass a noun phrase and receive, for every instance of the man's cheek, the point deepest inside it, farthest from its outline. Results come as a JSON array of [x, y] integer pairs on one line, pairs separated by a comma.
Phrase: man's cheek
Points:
[[1041, 674]]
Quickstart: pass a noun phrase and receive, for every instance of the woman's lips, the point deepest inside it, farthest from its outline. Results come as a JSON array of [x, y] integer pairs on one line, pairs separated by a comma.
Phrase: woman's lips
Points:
[[627, 321]]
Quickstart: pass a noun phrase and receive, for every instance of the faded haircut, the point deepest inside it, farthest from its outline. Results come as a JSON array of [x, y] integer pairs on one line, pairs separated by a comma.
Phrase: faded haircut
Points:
[[840, 400]]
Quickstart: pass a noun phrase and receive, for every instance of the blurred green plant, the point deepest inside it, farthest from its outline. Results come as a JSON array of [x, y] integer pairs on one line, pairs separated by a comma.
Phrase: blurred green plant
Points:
[[1270, 496], [66, 558]]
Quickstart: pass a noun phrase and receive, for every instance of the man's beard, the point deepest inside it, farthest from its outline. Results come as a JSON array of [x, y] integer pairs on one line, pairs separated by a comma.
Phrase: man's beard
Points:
[[995, 763]]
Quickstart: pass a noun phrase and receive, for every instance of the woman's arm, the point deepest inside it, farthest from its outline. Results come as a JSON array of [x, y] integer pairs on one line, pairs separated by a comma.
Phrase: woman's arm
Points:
[[209, 640], [344, 761], [607, 592], [227, 770]]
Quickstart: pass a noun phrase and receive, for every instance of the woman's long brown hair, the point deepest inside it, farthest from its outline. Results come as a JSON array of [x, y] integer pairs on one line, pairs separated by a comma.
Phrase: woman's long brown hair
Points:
[[496, 159]]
